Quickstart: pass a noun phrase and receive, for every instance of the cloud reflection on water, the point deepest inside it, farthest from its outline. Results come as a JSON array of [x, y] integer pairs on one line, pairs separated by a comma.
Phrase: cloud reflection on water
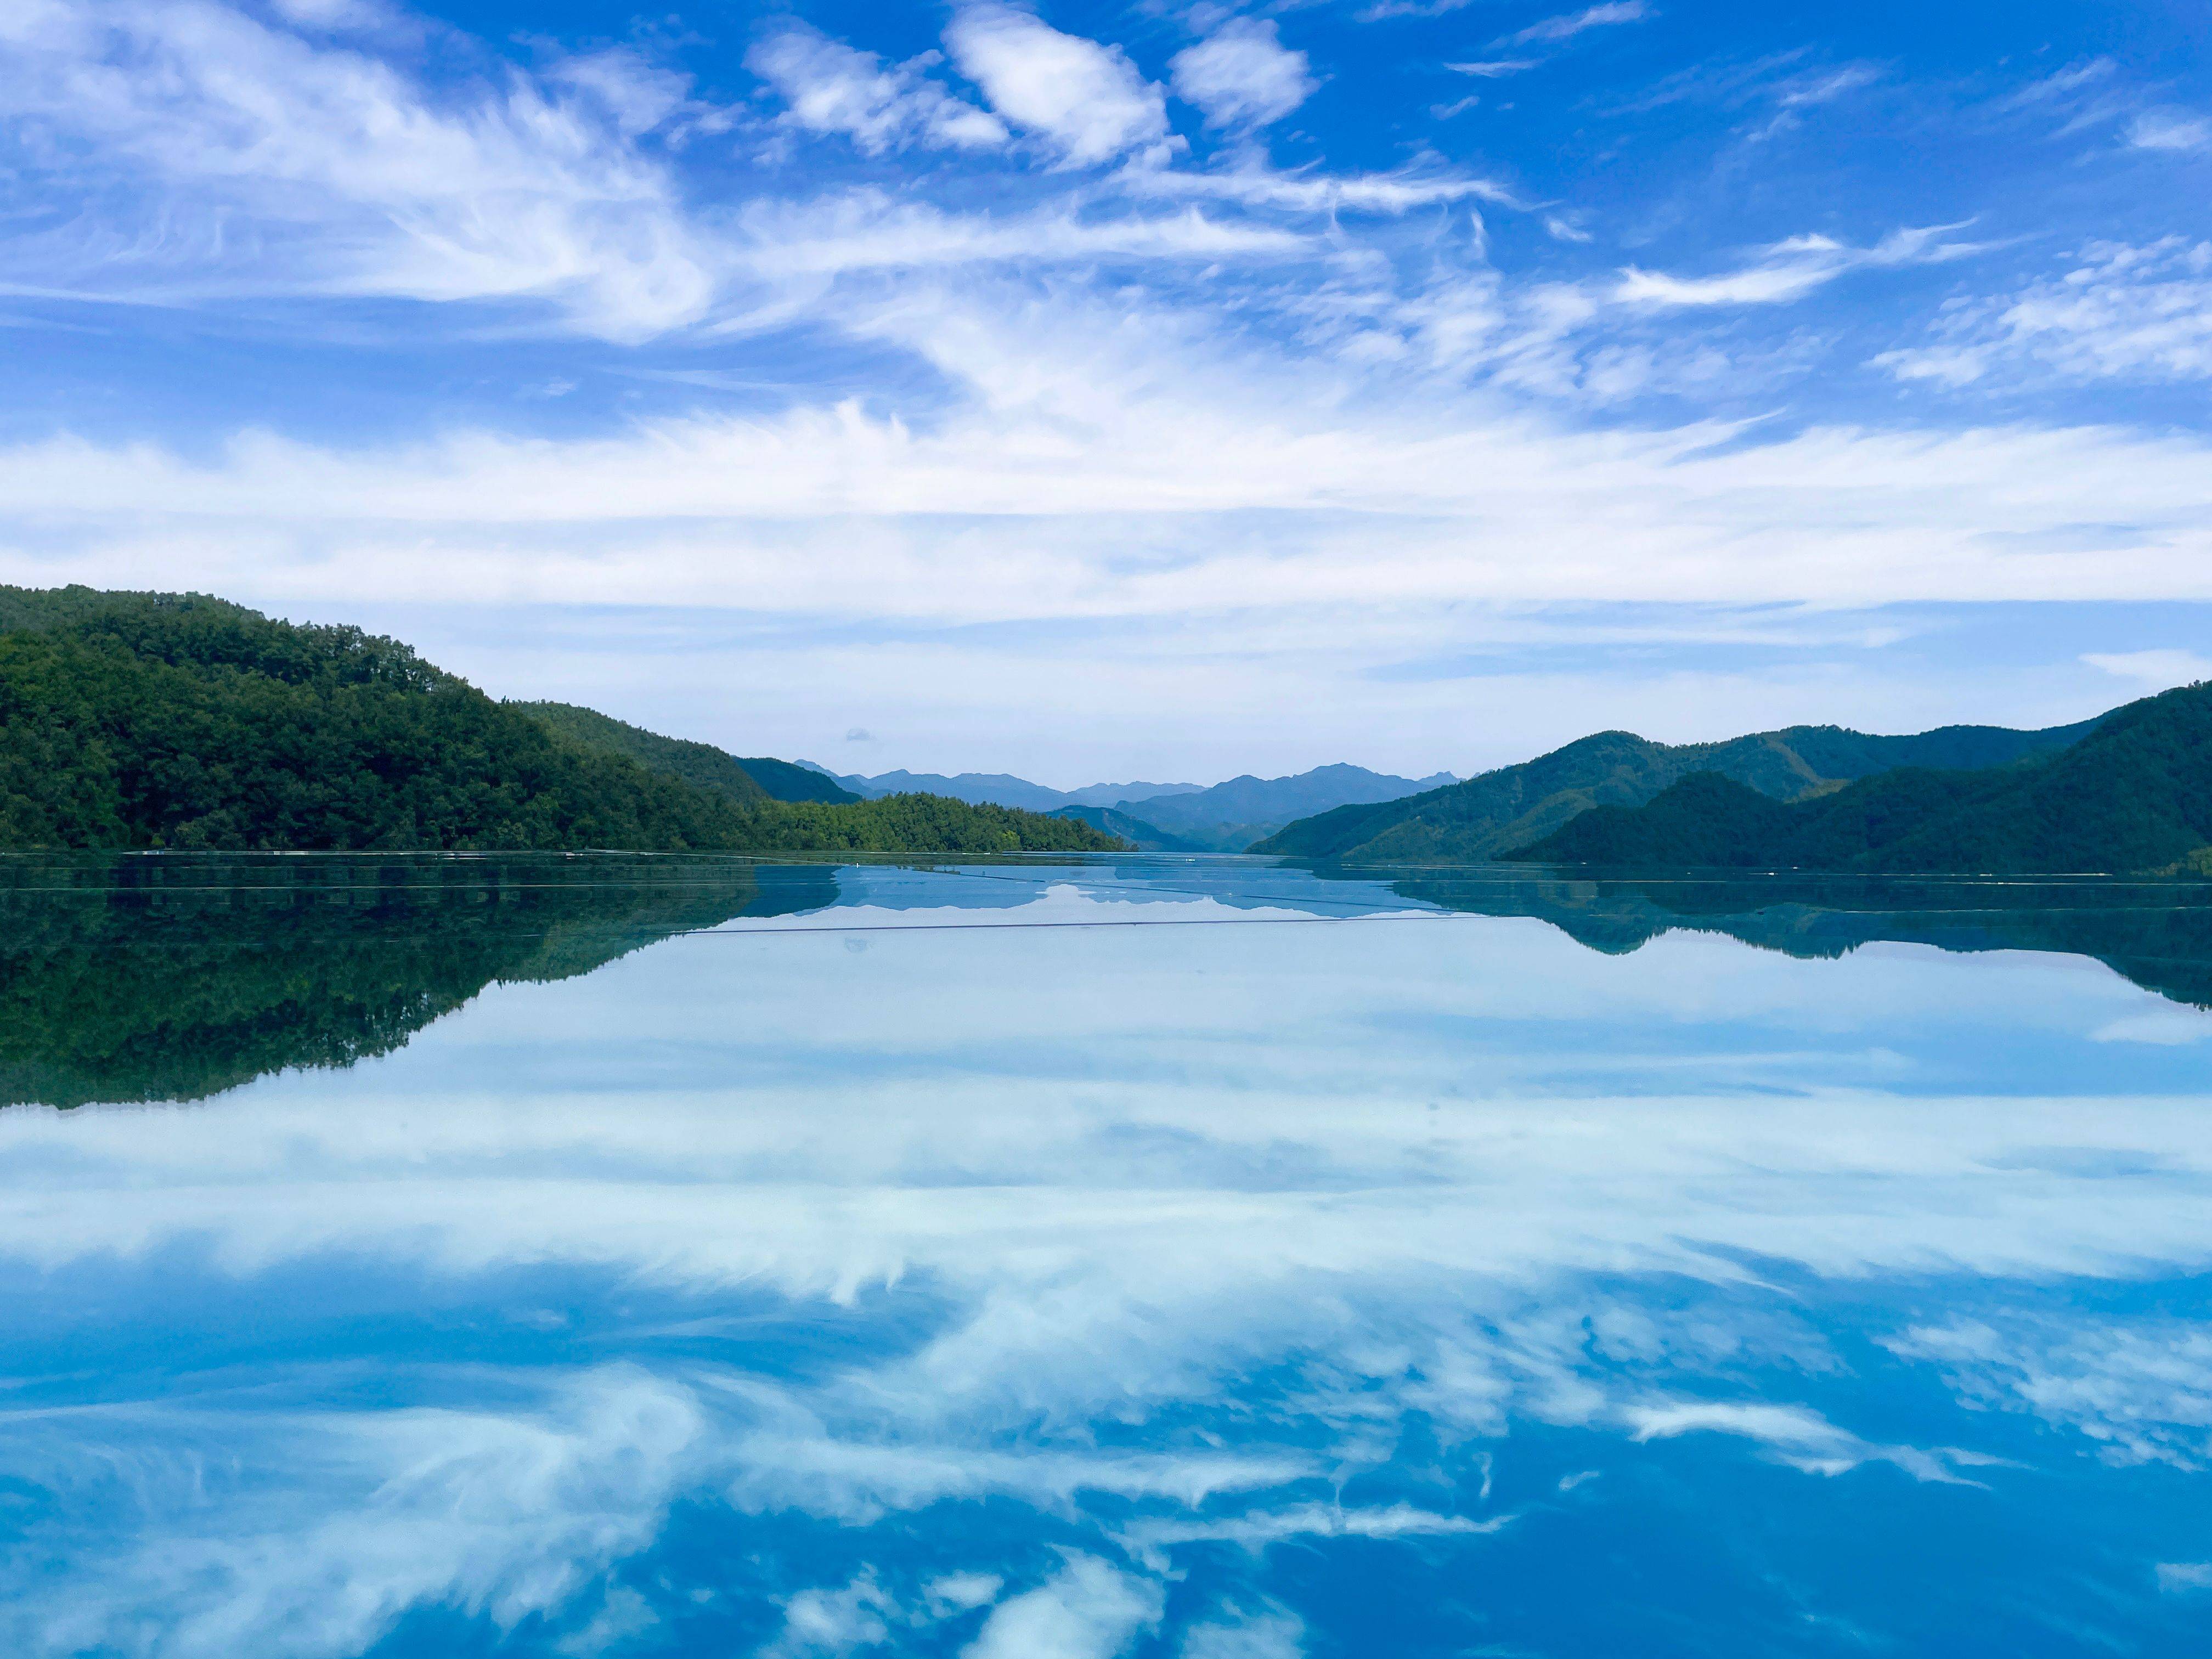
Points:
[[1156, 1279]]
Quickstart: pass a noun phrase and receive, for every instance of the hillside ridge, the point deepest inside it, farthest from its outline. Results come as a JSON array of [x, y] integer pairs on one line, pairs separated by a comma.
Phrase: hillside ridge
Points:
[[1515, 806], [181, 721], [2132, 796]]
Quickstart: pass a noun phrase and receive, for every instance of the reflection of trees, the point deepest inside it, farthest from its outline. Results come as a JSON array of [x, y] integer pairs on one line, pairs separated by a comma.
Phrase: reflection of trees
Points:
[[177, 977], [2157, 934]]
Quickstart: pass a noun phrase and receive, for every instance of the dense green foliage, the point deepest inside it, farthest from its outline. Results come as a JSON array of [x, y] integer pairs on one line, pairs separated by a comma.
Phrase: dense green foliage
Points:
[[1516, 804], [699, 764], [2134, 794], [152, 720], [918, 824], [140, 979], [1144, 836], [176, 721], [785, 781]]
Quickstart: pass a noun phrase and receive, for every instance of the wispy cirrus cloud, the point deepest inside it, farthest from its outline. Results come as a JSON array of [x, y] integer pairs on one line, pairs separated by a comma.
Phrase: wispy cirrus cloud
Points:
[[1789, 270], [354, 181], [1567, 25], [2125, 312]]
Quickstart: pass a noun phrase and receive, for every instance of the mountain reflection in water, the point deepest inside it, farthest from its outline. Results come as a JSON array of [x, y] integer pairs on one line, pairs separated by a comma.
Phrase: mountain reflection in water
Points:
[[175, 978], [2155, 933]]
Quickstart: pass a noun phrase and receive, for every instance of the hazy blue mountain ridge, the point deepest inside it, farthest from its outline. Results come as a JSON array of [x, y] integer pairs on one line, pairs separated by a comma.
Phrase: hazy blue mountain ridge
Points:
[[1217, 817], [977, 788], [1229, 816], [999, 788], [1144, 836]]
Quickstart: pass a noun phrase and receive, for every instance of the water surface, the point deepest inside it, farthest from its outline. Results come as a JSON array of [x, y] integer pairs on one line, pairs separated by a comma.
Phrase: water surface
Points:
[[1121, 1256]]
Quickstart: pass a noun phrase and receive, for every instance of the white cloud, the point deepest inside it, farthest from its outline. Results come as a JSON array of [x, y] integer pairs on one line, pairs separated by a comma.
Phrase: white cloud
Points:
[[1492, 69], [1566, 26], [1792, 98], [1089, 1610], [1313, 192], [2139, 1391], [353, 180], [1789, 270], [512, 1511], [1087, 99], [870, 231], [636, 94], [1808, 93], [1790, 1434], [1259, 1530], [2154, 670], [339, 16], [2167, 1028], [832, 87], [833, 1622], [1272, 1634], [2172, 130], [2125, 312], [1078, 425], [2062, 84], [1242, 74]]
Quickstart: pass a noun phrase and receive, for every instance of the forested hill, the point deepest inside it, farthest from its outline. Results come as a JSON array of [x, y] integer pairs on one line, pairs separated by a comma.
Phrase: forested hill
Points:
[[746, 780], [178, 720], [1517, 804], [699, 764], [2136, 794], [788, 781]]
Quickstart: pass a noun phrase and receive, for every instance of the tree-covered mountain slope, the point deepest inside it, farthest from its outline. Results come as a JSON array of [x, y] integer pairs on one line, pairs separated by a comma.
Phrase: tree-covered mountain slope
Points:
[[2134, 794], [787, 780], [747, 781], [178, 720], [699, 764], [1517, 804]]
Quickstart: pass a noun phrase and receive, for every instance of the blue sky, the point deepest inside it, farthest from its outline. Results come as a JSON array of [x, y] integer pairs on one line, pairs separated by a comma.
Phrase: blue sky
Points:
[[1099, 390]]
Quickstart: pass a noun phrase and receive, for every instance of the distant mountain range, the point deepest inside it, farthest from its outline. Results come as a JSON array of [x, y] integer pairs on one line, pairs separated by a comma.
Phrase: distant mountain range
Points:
[[1517, 806], [178, 720], [1223, 817], [2134, 794]]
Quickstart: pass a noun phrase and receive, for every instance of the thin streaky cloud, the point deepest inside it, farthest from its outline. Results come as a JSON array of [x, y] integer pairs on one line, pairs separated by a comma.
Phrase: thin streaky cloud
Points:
[[1569, 25], [1080, 325]]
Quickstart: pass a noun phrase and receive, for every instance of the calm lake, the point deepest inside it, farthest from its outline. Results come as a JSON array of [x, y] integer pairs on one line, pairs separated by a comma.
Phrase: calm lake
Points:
[[1197, 1258]]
